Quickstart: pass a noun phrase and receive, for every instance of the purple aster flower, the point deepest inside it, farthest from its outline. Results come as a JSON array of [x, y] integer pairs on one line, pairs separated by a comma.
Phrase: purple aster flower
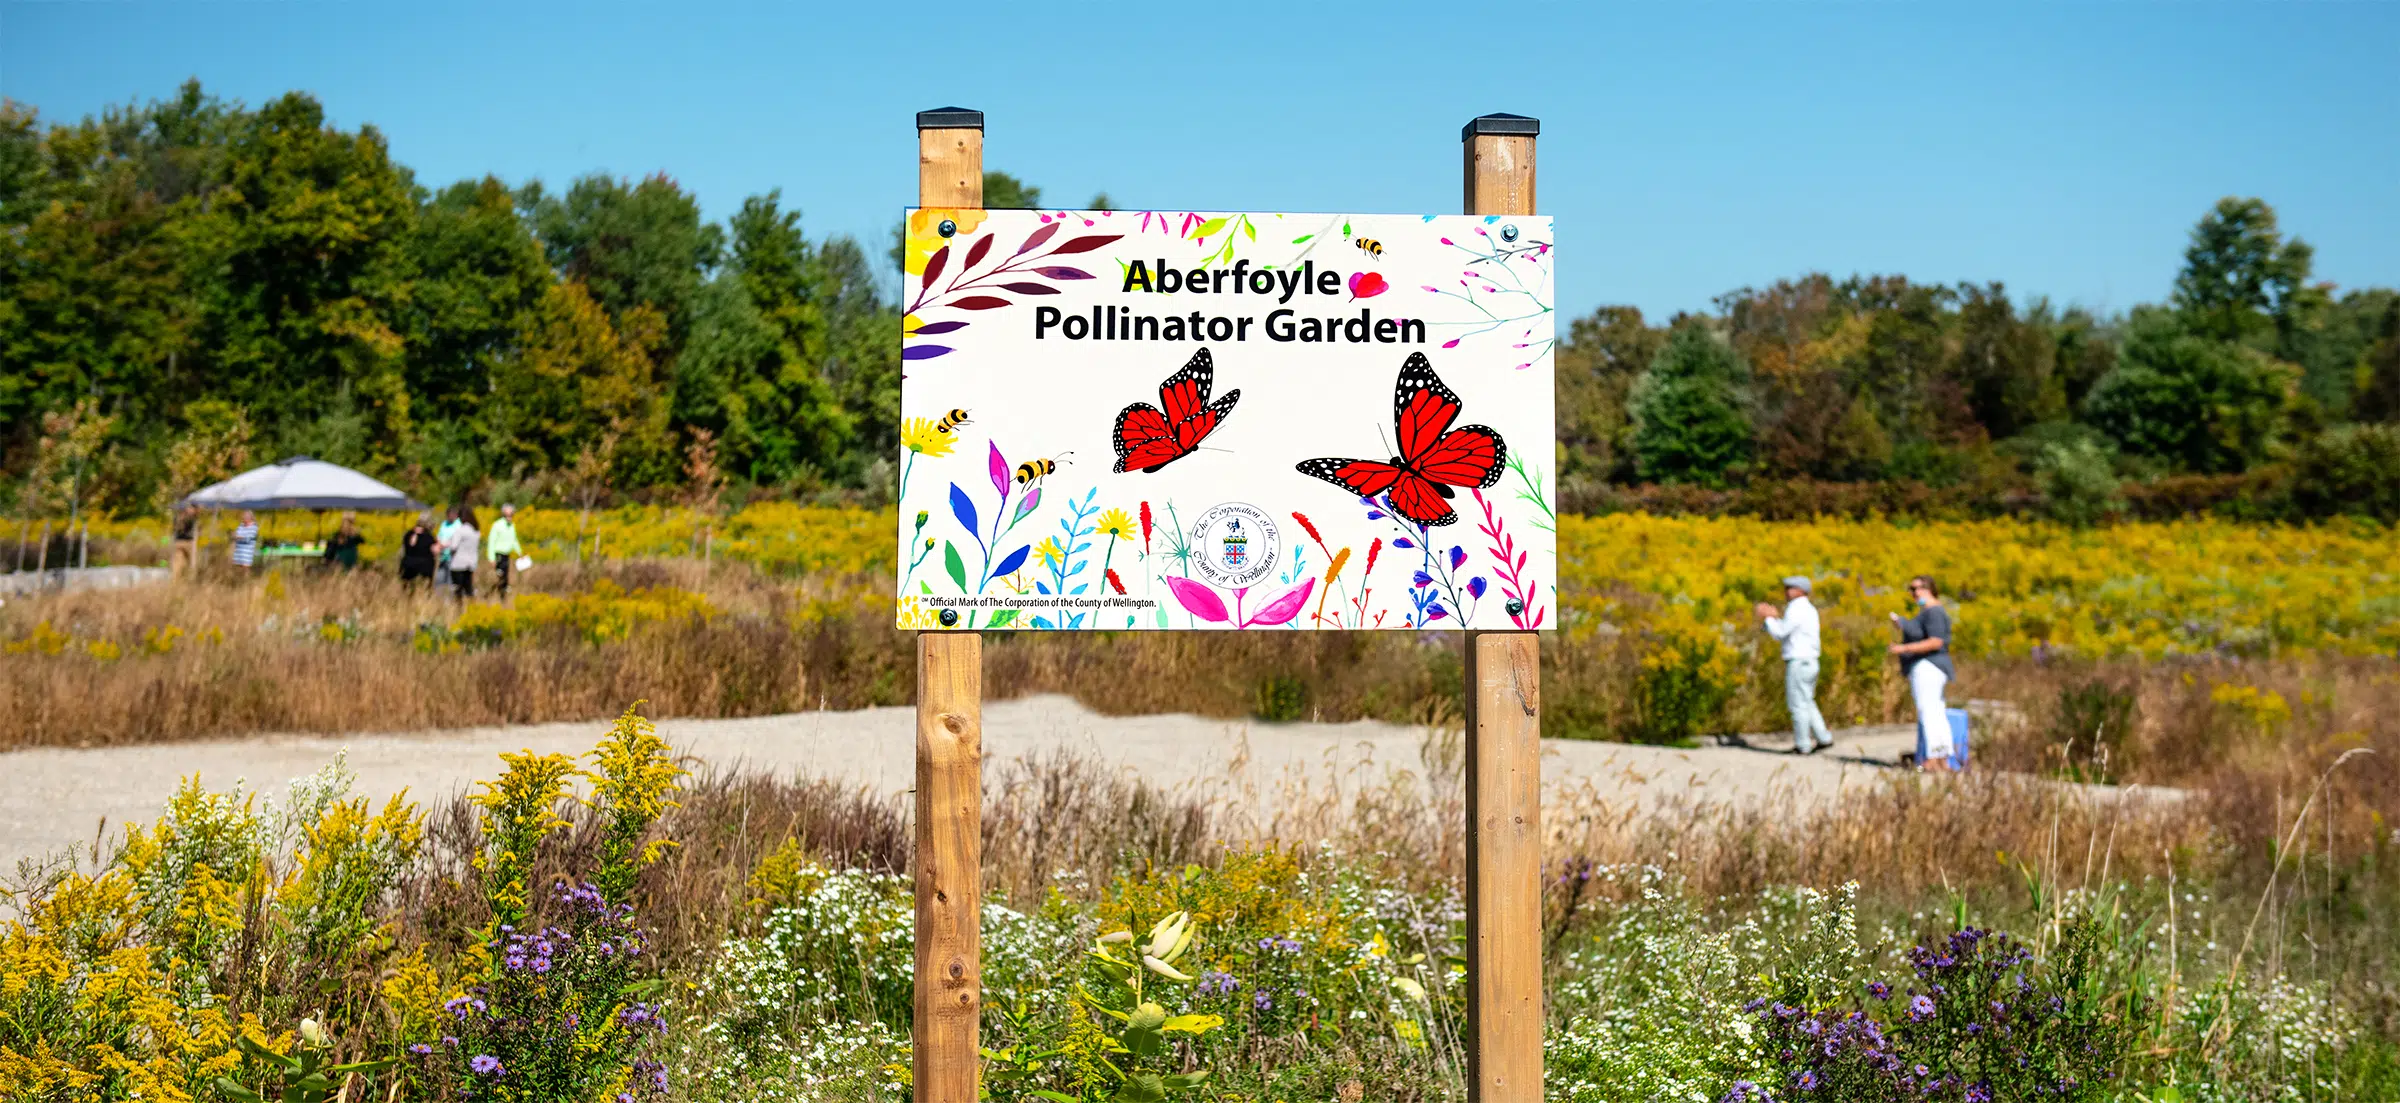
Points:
[[1806, 1081], [1979, 1092], [1879, 990], [1261, 1002], [450, 1040], [1920, 1009], [420, 1049], [1811, 1027], [485, 1064]]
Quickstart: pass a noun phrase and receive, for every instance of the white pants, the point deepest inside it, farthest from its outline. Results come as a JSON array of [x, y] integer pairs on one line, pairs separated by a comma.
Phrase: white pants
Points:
[[1925, 683]]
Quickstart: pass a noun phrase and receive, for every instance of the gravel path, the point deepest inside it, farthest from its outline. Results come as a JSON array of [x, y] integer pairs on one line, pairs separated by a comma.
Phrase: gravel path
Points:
[[54, 798]]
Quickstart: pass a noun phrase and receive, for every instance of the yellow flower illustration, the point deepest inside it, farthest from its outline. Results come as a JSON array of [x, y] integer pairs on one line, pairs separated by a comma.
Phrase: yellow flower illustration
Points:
[[925, 237], [915, 616], [921, 435], [1116, 523], [1050, 552]]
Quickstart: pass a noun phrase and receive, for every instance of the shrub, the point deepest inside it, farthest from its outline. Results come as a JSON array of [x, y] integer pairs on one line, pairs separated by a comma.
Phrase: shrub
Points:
[[2353, 469], [1282, 698], [2078, 483]]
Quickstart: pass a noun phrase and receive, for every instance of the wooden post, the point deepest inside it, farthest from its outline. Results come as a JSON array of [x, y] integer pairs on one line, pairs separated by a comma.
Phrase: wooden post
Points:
[[949, 857], [1504, 755]]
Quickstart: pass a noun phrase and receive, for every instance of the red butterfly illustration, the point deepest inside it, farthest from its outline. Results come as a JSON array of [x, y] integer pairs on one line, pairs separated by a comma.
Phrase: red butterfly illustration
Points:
[[1150, 437], [1433, 457]]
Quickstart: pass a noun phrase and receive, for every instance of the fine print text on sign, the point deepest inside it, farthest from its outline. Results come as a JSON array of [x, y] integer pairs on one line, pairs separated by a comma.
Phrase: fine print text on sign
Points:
[[1144, 420]]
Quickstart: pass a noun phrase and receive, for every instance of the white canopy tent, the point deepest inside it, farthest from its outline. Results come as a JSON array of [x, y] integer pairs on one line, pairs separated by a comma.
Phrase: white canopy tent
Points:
[[301, 483]]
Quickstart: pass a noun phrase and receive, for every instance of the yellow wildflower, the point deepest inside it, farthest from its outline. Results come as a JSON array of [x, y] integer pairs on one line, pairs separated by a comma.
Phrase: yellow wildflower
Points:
[[924, 437], [1050, 552], [1116, 523]]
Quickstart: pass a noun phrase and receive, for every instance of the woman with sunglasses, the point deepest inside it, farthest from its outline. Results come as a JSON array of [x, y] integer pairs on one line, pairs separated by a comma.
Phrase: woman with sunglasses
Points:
[[1924, 651]]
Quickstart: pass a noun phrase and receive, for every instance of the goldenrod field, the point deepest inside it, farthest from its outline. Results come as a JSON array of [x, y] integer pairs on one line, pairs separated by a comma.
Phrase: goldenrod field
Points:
[[2016, 587]]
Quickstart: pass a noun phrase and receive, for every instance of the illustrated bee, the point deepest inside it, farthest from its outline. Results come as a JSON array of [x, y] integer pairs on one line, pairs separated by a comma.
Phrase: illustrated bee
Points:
[[1370, 247], [1035, 469], [952, 420]]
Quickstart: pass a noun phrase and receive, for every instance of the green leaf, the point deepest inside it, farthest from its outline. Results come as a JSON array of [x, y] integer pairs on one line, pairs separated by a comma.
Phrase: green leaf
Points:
[[1301, 238], [1185, 1081], [1345, 229], [1001, 618], [1192, 1024], [238, 1093], [1249, 229], [956, 567], [1209, 227], [1055, 1097], [1144, 1041], [1146, 1088]]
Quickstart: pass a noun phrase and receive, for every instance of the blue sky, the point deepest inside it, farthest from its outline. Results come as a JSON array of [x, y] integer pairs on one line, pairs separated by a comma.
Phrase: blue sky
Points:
[[1688, 149]]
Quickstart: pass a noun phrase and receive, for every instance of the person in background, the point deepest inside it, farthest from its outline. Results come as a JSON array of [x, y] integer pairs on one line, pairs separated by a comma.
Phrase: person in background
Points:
[[504, 549], [1924, 651], [441, 539], [1796, 627], [245, 541], [185, 552], [464, 552], [342, 547], [419, 549]]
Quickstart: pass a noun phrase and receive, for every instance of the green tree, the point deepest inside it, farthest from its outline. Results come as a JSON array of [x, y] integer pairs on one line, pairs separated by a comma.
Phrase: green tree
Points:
[[2378, 376], [479, 275], [2007, 363], [2241, 281], [1689, 415], [579, 379], [2202, 404], [1004, 192], [631, 245], [1603, 354], [308, 238]]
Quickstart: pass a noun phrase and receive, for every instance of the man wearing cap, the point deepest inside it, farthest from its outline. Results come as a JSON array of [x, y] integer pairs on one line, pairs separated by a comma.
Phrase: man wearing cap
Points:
[[1796, 629]]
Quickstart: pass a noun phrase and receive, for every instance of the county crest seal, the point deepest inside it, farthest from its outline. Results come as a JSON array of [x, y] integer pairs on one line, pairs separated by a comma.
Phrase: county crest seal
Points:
[[1238, 545]]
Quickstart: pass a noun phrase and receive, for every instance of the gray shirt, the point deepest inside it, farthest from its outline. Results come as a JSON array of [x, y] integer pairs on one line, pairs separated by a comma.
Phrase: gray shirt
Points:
[[1931, 622]]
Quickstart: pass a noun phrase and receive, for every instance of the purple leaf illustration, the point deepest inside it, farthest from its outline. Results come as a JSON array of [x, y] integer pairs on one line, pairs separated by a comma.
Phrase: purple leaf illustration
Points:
[[924, 352], [1476, 586], [1039, 236], [1199, 599], [1283, 609], [1062, 272], [975, 252], [1085, 244], [1424, 580], [933, 266], [936, 329], [980, 302], [999, 471], [1403, 542], [1030, 288], [1434, 613], [1458, 556], [1032, 498]]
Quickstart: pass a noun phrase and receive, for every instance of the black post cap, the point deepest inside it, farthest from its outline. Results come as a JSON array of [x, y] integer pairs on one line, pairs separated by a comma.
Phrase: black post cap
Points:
[[1498, 123], [950, 118]]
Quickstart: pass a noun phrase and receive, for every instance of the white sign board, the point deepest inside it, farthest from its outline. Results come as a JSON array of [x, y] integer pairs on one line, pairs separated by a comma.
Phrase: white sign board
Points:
[[1149, 420]]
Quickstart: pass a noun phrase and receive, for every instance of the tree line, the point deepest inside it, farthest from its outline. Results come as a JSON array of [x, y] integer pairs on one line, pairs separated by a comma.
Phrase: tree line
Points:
[[190, 287]]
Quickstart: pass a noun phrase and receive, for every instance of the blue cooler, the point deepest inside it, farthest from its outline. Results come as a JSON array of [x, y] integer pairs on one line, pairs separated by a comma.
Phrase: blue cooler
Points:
[[1958, 740]]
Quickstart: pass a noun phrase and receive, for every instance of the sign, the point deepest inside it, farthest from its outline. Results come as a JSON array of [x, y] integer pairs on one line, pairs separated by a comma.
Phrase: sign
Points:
[[1193, 420]]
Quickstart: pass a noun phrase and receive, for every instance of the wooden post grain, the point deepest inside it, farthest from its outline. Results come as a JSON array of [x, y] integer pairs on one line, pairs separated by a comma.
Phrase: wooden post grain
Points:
[[949, 855], [1504, 755]]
